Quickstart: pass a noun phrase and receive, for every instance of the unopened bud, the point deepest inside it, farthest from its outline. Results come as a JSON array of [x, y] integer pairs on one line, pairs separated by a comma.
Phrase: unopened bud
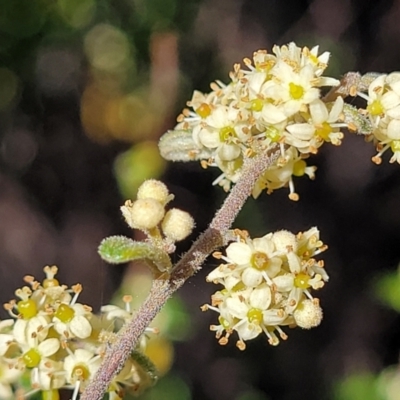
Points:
[[143, 214], [177, 224], [153, 189], [308, 314]]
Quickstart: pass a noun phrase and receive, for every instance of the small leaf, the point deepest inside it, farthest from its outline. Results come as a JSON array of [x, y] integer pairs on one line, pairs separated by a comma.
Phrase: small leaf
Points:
[[179, 145], [146, 364], [120, 249], [353, 117]]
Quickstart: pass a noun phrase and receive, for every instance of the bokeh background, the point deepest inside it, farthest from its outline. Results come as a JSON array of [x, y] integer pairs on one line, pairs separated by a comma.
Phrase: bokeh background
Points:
[[87, 88]]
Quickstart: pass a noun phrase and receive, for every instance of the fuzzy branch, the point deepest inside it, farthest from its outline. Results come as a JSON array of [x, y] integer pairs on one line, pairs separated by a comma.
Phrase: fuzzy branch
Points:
[[191, 262]]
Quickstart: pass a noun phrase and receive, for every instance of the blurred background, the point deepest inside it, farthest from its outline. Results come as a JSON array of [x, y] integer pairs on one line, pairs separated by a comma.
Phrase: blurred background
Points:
[[87, 88]]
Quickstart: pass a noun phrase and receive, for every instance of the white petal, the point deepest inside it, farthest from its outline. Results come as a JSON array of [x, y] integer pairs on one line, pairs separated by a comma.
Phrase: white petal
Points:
[[336, 110], [48, 347], [237, 307], [327, 81], [294, 262], [390, 100], [310, 95], [219, 117], [394, 112], [231, 281], [209, 138], [80, 327], [393, 130], [294, 297], [273, 317], [82, 355], [5, 340], [229, 152], [261, 297], [272, 114], [291, 107], [376, 87], [239, 253], [19, 330], [248, 331], [284, 283], [264, 244], [301, 131], [318, 111], [251, 277]]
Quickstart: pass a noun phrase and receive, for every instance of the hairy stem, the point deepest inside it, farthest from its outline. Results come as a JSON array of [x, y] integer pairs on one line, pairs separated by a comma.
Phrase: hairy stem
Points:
[[190, 263]]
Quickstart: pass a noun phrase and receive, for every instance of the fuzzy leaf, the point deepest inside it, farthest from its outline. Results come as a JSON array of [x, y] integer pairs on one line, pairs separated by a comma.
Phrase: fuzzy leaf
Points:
[[360, 122], [120, 249], [179, 146]]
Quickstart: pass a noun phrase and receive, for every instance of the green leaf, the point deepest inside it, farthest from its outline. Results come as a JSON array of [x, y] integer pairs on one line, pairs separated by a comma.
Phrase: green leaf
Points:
[[120, 249], [146, 364]]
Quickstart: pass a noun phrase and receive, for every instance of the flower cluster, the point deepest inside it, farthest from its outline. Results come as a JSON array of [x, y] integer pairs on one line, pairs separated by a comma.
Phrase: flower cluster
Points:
[[383, 110], [275, 100], [58, 343], [147, 213], [267, 284]]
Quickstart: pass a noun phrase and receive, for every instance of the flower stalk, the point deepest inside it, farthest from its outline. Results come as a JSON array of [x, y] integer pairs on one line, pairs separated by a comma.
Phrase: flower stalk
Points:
[[162, 289]]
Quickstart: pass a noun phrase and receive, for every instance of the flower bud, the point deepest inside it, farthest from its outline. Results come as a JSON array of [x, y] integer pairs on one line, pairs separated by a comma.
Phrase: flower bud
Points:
[[143, 214], [177, 224], [308, 314], [153, 189]]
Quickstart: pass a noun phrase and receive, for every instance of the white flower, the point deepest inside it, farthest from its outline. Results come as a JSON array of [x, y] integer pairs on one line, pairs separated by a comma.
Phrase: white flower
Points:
[[322, 127], [8, 376], [222, 131], [72, 321], [48, 375], [32, 331], [6, 338], [248, 307], [266, 280], [292, 89], [79, 367], [384, 112]]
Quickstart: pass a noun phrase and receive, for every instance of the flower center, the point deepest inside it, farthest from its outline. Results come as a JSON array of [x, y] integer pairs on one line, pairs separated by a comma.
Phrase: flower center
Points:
[[255, 315], [395, 145], [259, 260], [226, 134], [296, 91], [81, 372], [238, 287], [204, 110], [224, 323], [299, 168], [27, 308], [50, 394], [313, 58], [31, 358], [50, 283], [375, 108], [324, 130], [65, 313], [272, 133], [256, 104], [301, 281]]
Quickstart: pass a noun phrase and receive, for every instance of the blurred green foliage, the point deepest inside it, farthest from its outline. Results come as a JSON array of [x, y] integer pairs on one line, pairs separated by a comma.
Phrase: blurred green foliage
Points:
[[387, 289]]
